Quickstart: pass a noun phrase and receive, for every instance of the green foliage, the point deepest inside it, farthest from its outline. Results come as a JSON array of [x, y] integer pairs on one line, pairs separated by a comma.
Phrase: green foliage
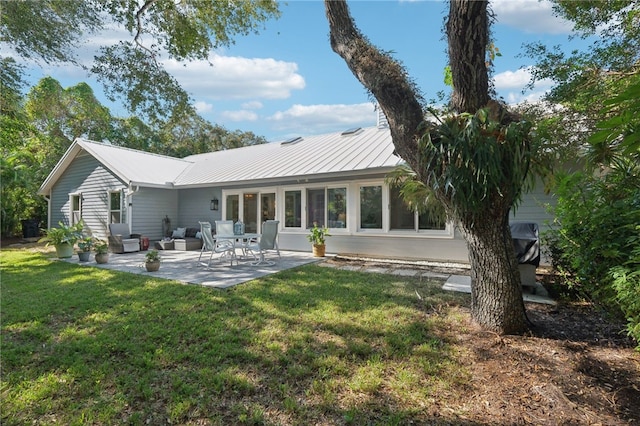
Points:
[[63, 234], [130, 68], [626, 283], [37, 129], [152, 256], [86, 243], [317, 235], [101, 247], [472, 161], [596, 233], [418, 196], [619, 131]]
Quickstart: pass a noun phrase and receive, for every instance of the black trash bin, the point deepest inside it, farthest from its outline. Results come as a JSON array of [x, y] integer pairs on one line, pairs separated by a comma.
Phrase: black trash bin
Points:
[[526, 242], [30, 228]]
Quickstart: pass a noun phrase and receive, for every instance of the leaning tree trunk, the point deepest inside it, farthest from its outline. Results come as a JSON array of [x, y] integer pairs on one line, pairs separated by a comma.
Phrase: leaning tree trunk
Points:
[[497, 302]]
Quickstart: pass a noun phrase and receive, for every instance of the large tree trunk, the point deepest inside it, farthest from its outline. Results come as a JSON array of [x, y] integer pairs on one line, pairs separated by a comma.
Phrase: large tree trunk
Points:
[[468, 35], [496, 293], [497, 296]]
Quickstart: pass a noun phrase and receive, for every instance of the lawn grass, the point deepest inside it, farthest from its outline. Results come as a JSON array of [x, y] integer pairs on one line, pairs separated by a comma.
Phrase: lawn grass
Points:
[[311, 345]]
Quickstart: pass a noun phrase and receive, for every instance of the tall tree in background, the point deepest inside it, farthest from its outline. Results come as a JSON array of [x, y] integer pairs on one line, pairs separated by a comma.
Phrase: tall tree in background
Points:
[[599, 86], [132, 69], [41, 127], [474, 159]]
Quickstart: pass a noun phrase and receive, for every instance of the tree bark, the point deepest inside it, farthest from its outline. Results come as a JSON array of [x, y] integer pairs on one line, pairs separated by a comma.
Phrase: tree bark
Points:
[[495, 286], [383, 77], [468, 36], [496, 292]]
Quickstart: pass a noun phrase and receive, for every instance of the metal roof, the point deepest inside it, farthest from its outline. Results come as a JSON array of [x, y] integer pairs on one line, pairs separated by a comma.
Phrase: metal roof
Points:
[[137, 167], [334, 153], [370, 148]]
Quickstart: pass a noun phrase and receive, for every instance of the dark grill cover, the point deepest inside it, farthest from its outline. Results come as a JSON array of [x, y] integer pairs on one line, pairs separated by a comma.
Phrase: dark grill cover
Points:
[[526, 242]]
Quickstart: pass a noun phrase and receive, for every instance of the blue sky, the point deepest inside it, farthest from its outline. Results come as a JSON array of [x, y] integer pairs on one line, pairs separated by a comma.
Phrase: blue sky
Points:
[[286, 81]]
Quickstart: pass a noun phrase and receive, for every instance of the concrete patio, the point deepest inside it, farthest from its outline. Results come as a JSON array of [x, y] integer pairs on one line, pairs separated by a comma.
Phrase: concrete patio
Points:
[[183, 266]]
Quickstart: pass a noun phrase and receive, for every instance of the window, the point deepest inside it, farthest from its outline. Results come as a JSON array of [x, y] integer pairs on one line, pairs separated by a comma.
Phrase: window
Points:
[[315, 207], [428, 221], [115, 207], [268, 206], [233, 207], [370, 207], [250, 212], [75, 202], [337, 207], [402, 218], [293, 209]]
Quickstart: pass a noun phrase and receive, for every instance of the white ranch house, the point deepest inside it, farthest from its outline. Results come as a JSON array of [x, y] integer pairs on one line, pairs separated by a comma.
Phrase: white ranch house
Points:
[[334, 179]]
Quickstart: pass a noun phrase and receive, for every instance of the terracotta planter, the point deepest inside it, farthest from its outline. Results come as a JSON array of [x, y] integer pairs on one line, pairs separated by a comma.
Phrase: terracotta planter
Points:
[[318, 250], [83, 256], [64, 250], [152, 266], [102, 257]]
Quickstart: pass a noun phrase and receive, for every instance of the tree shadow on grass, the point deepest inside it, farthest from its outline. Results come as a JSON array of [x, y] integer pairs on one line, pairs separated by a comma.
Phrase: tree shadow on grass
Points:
[[303, 346]]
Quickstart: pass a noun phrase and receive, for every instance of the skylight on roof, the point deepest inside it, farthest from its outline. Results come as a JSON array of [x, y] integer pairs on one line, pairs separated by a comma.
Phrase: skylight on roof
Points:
[[351, 131], [291, 141]]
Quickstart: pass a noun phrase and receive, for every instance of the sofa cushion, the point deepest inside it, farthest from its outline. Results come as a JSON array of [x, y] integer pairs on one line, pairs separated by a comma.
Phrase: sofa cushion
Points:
[[191, 232], [179, 233]]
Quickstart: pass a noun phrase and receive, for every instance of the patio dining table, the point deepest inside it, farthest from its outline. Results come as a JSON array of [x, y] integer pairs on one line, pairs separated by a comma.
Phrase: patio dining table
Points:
[[239, 242]]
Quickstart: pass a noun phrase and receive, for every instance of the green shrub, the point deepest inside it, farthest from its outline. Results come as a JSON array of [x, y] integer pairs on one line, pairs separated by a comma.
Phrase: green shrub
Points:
[[626, 282], [596, 236]]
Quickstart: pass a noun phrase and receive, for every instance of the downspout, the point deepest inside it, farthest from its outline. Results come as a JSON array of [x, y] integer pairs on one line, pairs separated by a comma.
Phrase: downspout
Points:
[[131, 191], [47, 197]]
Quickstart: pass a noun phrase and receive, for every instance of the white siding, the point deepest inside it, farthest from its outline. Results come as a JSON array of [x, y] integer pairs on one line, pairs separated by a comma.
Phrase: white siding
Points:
[[87, 176], [148, 207], [193, 206]]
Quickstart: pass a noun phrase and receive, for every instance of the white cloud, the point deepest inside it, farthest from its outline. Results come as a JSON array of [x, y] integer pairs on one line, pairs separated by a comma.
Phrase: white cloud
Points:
[[203, 107], [315, 119], [240, 115], [512, 79], [511, 84], [530, 16], [232, 77], [252, 105]]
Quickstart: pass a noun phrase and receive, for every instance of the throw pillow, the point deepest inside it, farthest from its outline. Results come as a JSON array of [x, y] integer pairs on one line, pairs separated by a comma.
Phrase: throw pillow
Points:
[[179, 233]]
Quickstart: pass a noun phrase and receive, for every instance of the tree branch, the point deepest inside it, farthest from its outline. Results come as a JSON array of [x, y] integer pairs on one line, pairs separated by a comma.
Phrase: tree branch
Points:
[[147, 4], [382, 76]]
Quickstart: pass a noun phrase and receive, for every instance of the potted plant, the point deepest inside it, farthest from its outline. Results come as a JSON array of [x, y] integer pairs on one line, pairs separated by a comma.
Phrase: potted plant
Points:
[[102, 251], [317, 238], [85, 245], [152, 260], [63, 238]]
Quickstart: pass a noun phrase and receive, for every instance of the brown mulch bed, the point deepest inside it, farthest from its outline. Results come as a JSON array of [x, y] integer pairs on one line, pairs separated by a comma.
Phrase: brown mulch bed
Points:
[[574, 368]]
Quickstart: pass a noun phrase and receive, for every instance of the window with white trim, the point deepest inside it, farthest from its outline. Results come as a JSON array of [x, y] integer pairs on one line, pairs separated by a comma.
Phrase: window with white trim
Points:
[[401, 217], [370, 207], [115, 207], [293, 209], [75, 208]]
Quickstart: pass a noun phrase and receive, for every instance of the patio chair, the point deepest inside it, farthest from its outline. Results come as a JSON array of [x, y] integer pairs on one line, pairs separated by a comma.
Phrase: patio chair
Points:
[[266, 242], [209, 244], [120, 240]]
